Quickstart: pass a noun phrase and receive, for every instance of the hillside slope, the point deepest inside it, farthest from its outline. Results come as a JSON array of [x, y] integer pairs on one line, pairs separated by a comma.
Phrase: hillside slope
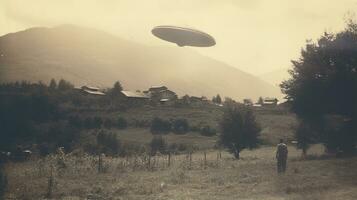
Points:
[[88, 56]]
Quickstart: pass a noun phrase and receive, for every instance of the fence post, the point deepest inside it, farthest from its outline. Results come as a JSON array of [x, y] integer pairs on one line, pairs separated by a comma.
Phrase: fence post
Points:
[[205, 160], [99, 163], [190, 155], [169, 160]]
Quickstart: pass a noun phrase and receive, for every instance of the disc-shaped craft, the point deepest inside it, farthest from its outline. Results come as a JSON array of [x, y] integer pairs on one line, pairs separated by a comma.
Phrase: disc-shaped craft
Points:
[[184, 36]]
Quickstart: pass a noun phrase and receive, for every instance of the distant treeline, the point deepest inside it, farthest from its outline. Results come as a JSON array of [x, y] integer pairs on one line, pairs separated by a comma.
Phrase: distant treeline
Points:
[[46, 117], [36, 113]]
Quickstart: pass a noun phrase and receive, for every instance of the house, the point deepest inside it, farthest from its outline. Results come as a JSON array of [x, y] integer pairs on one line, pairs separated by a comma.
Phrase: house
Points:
[[247, 102], [270, 101], [158, 93], [135, 95], [155, 89], [198, 100], [90, 90]]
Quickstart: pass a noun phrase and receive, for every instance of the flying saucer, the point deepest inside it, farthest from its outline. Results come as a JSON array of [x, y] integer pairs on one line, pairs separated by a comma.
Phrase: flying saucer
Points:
[[183, 36]]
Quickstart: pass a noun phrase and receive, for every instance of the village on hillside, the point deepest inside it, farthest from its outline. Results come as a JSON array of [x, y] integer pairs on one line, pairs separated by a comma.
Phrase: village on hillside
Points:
[[165, 96]]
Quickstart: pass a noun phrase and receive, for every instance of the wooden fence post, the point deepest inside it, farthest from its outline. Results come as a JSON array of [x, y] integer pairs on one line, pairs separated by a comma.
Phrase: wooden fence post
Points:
[[205, 160]]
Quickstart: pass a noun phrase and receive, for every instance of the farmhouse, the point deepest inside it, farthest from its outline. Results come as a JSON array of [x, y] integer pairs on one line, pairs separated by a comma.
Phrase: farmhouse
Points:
[[270, 101], [91, 90], [135, 95], [160, 93]]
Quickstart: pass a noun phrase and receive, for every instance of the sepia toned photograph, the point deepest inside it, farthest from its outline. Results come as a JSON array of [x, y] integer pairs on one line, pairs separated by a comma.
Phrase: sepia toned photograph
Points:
[[178, 100]]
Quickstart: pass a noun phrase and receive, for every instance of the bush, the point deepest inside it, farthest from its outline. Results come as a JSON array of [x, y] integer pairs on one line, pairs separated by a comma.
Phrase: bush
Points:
[[195, 128], [158, 144], [160, 126], [108, 143], [174, 147], [132, 149], [208, 131], [57, 134], [141, 123], [180, 126]]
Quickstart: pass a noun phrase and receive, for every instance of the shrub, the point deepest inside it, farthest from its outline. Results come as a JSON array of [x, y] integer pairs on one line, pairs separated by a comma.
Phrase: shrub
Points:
[[108, 143], [141, 123], [159, 125], [180, 126], [182, 147], [158, 144], [57, 134], [208, 131], [195, 128], [132, 149], [173, 148]]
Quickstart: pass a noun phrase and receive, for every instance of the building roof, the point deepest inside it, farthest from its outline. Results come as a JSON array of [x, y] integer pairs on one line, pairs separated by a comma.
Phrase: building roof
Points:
[[90, 87], [157, 88], [270, 99], [94, 92], [132, 94], [168, 91]]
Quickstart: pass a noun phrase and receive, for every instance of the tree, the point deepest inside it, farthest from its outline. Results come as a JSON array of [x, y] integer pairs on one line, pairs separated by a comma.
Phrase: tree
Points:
[[260, 101], [108, 143], [207, 131], [186, 99], [218, 99], [116, 90], [159, 126], [304, 136], [180, 126], [214, 100], [247, 102], [239, 129], [158, 144], [53, 84], [323, 83], [64, 85]]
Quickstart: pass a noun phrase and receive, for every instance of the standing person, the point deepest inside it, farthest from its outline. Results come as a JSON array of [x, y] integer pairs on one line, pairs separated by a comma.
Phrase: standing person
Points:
[[281, 156]]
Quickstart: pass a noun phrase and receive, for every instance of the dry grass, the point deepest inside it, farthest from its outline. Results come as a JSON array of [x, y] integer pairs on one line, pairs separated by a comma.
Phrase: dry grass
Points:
[[144, 136], [252, 177]]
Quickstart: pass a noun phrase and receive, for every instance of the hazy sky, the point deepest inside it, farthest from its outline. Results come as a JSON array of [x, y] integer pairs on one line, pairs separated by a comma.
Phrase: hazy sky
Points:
[[256, 36]]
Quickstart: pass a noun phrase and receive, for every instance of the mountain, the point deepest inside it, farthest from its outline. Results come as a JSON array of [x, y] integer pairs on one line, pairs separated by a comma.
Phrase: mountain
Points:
[[89, 56], [276, 77]]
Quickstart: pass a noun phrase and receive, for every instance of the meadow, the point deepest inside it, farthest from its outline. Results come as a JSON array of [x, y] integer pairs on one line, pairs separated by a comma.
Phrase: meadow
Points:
[[205, 173], [217, 177]]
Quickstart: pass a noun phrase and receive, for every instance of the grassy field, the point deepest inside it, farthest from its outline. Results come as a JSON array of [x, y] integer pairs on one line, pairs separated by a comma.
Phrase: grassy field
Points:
[[276, 123], [218, 176], [143, 136], [252, 177]]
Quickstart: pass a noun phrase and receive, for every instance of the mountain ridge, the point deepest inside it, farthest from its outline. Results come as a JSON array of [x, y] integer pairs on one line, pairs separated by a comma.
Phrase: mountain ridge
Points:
[[90, 56]]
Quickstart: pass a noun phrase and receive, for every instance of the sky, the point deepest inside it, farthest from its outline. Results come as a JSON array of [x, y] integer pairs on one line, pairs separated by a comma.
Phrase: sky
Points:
[[256, 36]]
